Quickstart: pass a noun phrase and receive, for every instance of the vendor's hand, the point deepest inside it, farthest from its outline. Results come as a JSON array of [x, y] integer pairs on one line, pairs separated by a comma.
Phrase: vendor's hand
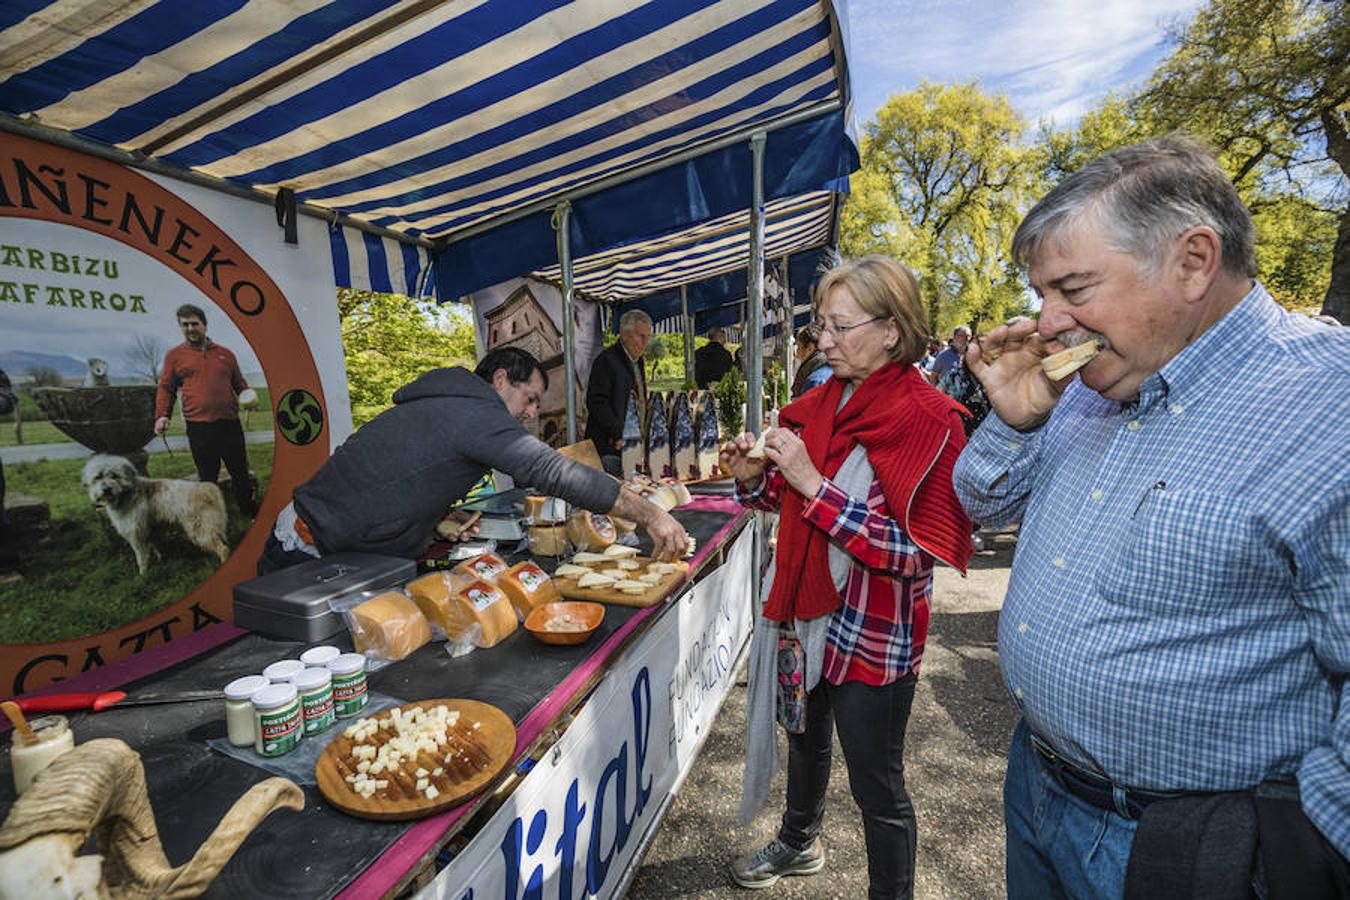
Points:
[[161, 424], [450, 529], [784, 449], [669, 539], [1007, 361], [745, 470]]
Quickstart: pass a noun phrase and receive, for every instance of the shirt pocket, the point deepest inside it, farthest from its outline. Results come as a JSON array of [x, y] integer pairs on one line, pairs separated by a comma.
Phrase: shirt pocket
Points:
[[1192, 551]]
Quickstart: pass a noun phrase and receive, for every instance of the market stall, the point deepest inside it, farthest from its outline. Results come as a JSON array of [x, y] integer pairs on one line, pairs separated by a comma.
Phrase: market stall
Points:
[[426, 148]]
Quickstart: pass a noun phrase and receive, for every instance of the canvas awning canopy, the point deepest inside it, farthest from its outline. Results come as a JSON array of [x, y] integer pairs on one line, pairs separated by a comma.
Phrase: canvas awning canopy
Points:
[[453, 127]]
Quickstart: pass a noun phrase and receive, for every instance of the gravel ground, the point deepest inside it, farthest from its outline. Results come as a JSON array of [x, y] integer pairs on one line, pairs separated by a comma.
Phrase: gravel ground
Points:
[[955, 756]]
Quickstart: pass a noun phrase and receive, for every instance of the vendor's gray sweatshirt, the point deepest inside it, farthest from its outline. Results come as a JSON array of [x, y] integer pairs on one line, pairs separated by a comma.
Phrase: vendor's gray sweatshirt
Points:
[[386, 487]]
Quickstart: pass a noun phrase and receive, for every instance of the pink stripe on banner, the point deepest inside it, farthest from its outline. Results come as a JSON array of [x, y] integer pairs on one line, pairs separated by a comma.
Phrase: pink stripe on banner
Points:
[[405, 853]]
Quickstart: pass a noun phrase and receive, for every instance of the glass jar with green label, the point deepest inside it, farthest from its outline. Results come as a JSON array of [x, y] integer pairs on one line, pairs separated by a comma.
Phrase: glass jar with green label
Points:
[[278, 722], [316, 699], [350, 693]]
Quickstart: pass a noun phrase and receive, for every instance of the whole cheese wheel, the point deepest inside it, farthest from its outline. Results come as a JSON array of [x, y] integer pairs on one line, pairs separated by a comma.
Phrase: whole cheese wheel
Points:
[[590, 531], [390, 624], [432, 594], [482, 603], [486, 566], [528, 586]]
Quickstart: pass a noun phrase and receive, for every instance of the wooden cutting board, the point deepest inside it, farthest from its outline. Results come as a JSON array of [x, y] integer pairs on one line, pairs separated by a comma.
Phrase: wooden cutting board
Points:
[[567, 586], [489, 749]]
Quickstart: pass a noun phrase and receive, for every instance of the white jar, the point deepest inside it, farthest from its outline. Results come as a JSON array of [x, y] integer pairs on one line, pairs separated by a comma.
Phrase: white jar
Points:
[[283, 670], [277, 722], [239, 708], [51, 738], [318, 657]]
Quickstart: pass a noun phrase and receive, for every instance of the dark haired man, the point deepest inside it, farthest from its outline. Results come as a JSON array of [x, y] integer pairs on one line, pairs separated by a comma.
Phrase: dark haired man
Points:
[[209, 377], [386, 487]]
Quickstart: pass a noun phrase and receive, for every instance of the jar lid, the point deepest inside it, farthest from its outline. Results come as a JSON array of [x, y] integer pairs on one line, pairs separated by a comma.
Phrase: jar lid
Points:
[[312, 679], [243, 688], [274, 695], [320, 656], [283, 670], [348, 663]]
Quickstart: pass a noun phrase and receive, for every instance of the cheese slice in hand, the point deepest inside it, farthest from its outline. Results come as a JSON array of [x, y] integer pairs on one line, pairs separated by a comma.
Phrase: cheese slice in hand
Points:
[[757, 451], [1061, 365]]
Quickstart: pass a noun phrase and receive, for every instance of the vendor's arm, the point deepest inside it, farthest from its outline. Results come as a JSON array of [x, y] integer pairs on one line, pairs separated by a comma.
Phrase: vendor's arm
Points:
[[1322, 592]]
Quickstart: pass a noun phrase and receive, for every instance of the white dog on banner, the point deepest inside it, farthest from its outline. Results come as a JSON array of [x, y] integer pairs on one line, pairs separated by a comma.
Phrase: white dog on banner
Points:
[[138, 507]]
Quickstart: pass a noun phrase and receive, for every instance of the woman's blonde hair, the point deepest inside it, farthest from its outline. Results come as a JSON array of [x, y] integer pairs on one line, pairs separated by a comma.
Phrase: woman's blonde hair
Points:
[[886, 290]]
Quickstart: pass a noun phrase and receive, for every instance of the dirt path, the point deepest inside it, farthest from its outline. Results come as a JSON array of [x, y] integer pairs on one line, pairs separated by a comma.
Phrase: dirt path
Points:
[[955, 758]]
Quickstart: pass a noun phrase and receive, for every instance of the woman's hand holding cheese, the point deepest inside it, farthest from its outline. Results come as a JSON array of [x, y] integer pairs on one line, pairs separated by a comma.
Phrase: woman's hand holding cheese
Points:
[[785, 449], [746, 469], [1007, 361]]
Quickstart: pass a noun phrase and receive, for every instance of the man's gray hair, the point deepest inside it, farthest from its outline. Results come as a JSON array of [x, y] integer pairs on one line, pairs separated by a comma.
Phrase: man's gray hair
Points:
[[1143, 197], [632, 317]]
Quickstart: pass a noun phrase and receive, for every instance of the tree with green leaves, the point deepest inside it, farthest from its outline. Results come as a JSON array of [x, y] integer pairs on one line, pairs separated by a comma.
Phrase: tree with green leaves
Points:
[[944, 181], [388, 340], [1267, 83]]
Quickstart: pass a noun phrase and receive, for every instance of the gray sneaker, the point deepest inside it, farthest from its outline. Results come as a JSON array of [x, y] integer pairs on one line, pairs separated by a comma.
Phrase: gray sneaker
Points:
[[769, 863]]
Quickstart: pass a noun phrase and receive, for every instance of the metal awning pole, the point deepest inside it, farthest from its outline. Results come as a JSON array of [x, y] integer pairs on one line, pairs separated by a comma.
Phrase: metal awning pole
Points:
[[562, 217], [688, 324], [754, 327], [789, 326]]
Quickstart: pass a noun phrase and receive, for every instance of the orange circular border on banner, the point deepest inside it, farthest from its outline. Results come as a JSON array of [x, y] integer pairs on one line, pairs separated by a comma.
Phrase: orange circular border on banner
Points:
[[55, 184]]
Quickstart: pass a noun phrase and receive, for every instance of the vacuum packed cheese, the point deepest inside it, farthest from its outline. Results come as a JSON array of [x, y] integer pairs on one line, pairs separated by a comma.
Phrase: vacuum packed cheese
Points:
[[486, 566], [528, 587], [590, 531], [432, 593], [389, 625], [480, 603], [708, 441], [683, 445]]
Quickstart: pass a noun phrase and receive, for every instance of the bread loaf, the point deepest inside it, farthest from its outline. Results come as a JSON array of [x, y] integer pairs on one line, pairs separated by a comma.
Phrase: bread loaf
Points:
[[528, 587], [390, 625], [590, 531], [482, 603], [486, 566]]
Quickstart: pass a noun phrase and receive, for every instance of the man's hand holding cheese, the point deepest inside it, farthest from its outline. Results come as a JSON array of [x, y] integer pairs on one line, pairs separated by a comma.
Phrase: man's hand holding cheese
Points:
[[388, 486]]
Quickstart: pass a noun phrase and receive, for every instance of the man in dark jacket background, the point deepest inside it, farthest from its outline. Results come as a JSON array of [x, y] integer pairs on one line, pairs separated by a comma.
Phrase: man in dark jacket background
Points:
[[389, 484], [712, 360], [616, 375]]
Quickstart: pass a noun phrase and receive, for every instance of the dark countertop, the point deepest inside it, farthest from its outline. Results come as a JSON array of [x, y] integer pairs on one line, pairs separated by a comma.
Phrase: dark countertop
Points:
[[314, 852]]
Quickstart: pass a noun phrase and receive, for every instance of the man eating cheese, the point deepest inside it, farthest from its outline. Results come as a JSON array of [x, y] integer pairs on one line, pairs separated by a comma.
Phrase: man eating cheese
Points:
[[386, 487]]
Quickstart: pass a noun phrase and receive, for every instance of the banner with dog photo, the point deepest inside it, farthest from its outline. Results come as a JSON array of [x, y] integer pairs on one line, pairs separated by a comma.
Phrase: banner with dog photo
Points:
[[174, 369]]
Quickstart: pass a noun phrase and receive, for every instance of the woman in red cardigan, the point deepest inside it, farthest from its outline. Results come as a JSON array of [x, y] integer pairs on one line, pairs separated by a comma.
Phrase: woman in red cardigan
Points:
[[859, 470]]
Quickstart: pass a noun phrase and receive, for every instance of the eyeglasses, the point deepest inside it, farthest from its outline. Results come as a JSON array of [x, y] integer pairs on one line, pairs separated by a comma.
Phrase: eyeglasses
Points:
[[838, 331]]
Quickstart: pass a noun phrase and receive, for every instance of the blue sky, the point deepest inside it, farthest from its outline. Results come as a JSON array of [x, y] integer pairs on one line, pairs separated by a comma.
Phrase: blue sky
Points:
[[1053, 58]]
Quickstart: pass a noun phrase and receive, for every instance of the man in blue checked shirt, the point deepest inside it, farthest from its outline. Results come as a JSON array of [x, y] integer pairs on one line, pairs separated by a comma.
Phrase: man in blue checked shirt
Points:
[[1178, 617]]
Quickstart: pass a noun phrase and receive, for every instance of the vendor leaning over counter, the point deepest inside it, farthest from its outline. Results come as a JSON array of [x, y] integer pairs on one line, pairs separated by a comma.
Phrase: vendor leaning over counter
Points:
[[386, 487]]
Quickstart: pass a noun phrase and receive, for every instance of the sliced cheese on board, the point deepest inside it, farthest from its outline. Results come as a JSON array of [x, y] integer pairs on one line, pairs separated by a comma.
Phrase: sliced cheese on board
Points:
[[651, 577], [615, 573], [586, 557], [594, 579], [528, 587], [390, 625], [619, 550], [628, 565], [568, 570]]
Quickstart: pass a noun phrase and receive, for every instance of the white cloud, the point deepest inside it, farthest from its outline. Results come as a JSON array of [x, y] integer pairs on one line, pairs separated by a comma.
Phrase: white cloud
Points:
[[1053, 59]]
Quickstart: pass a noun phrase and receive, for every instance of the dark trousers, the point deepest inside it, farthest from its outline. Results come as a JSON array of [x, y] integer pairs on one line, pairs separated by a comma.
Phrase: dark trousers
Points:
[[222, 441], [871, 723]]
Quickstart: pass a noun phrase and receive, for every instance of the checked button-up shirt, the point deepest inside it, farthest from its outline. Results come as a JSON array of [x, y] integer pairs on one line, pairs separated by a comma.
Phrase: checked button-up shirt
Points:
[[877, 634], [1178, 616]]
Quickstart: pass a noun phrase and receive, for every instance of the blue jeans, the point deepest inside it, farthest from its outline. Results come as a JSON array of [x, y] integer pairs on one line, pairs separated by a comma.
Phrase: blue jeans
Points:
[[1058, 846]]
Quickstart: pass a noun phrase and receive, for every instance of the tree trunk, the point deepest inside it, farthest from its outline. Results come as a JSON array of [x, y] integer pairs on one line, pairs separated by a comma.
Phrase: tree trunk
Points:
[[1337, 302]]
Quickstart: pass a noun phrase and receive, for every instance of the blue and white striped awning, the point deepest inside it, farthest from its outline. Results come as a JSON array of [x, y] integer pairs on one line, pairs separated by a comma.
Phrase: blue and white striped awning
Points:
[[705, 251], [453, 124], [372, 262]]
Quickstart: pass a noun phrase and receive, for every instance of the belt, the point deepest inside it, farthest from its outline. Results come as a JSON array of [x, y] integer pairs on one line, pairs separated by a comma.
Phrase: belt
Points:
[[1094, 789]]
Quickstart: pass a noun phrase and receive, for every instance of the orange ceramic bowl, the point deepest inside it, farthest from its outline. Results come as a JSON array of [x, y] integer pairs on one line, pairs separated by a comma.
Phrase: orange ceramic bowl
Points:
[[565, 622]]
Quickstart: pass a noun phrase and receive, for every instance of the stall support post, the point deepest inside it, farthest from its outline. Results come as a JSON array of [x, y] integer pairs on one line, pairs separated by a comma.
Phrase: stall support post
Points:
[[754, 319], [688, 325], [562, 217], [788, 328]]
